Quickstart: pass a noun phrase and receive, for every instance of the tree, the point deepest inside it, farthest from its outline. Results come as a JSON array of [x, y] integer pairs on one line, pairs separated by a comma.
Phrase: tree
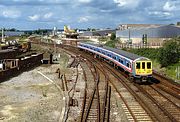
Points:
[[12, 29], [178, 23], [170, 52], [113, 36], [88, 29]]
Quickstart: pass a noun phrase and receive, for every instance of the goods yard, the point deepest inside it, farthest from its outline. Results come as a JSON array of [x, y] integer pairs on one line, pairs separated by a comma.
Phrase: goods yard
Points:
[[82, 87]]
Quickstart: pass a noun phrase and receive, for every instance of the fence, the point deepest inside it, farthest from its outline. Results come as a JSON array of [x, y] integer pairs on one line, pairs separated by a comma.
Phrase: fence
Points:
[[137, 46]]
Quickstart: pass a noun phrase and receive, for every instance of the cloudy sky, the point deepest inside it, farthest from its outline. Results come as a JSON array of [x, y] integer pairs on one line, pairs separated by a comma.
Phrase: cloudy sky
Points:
[[34, 14]]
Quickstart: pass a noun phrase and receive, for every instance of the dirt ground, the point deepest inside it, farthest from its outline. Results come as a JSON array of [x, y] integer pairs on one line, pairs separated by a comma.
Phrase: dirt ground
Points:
[[31, 97]]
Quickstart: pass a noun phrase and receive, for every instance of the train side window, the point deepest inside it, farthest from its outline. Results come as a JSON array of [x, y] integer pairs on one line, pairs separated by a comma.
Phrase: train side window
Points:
[[148, 65], [127, 64], [138, 65], [143, 65], [12, 63], [121, 61], [15, 63], [114, 57]]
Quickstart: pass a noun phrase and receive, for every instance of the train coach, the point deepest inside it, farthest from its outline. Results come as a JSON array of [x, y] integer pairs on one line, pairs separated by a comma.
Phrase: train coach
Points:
[[138, 68], [10, 67]]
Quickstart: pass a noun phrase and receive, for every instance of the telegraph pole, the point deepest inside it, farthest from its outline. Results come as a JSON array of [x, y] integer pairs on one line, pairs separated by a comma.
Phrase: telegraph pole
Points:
[[2, 37]]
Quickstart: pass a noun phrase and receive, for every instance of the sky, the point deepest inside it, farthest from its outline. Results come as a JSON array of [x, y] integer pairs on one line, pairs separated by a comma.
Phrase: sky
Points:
[[43, 14]]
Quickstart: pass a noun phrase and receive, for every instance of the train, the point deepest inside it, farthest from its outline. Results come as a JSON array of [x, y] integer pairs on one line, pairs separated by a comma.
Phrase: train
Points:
[[23, 46], [9, 67], [138, 68]]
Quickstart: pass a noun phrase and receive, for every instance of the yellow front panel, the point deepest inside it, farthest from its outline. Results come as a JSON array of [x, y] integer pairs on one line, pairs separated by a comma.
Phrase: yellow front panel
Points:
[[143, 67]]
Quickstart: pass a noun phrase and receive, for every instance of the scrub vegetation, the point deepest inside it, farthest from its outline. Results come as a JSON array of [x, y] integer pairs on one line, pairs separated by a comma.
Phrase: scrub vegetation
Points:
[[110, 41]]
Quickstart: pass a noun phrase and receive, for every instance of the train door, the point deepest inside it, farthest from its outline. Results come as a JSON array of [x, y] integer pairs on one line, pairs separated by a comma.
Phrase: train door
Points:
[[138, 68], [149, 67]]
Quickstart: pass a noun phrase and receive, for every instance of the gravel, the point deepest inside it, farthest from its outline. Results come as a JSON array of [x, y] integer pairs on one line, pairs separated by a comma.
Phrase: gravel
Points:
[[31, 97]]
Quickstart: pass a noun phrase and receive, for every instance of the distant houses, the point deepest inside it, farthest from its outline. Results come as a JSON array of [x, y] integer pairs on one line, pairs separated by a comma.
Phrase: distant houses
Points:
[[13, 33]]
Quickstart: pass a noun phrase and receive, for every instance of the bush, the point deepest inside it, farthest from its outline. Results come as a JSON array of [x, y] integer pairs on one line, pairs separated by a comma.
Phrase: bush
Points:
[[113, 36], [110, 44], [170, 52], [146, 52]]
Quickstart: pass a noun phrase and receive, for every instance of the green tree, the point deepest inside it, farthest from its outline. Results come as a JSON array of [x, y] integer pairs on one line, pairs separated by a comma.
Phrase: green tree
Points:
[[170, 52], [113, 36]]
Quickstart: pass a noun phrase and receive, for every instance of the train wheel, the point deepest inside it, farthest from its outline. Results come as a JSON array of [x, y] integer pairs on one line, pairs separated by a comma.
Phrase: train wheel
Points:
[[137, 80]]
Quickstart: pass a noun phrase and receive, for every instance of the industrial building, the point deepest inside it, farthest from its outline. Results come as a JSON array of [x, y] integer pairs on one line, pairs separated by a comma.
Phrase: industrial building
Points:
[[128, 26], [154, 35], [106, 32]]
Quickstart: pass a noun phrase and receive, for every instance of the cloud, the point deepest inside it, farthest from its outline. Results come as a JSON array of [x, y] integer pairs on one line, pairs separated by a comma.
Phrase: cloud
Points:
[[161, 15], [34, 17], [84, 1], [127, 3], [37, 17], [169, 6], [11, 13], [48, 15], [84, 19], [60, 21], [86, 13]]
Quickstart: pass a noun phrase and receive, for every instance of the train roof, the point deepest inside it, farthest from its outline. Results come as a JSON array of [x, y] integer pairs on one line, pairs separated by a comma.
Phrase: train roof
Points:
[[118, 51]]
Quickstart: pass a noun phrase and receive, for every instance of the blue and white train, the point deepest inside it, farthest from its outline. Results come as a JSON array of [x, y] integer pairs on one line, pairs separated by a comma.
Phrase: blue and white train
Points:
[[136, 66]]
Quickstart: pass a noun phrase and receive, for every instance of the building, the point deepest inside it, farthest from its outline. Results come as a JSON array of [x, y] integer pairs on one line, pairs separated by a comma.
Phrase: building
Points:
[[128, 26], [154, 35], [13, 33], [107, 32]]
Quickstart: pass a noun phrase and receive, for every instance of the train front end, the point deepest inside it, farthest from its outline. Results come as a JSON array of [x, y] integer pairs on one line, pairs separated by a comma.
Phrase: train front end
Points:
[[143, 69]]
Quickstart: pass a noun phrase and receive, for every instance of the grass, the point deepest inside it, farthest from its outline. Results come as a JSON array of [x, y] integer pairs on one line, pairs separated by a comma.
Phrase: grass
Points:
[[171, 70]]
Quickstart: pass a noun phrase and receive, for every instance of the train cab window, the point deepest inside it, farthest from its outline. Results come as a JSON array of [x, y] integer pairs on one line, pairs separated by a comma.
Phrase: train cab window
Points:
[[148, 65], [138, 65], [143, 65]]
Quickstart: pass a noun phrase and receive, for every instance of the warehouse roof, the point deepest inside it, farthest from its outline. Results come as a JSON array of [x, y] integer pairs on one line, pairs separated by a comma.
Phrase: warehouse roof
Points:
[[167, 31]]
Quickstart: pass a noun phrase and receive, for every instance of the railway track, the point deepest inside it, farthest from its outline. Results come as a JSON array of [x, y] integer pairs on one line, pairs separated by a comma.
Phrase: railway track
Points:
[[169, 108], [96, 103], [91, 100], [167, 85], [152, 102], [132, 108]]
